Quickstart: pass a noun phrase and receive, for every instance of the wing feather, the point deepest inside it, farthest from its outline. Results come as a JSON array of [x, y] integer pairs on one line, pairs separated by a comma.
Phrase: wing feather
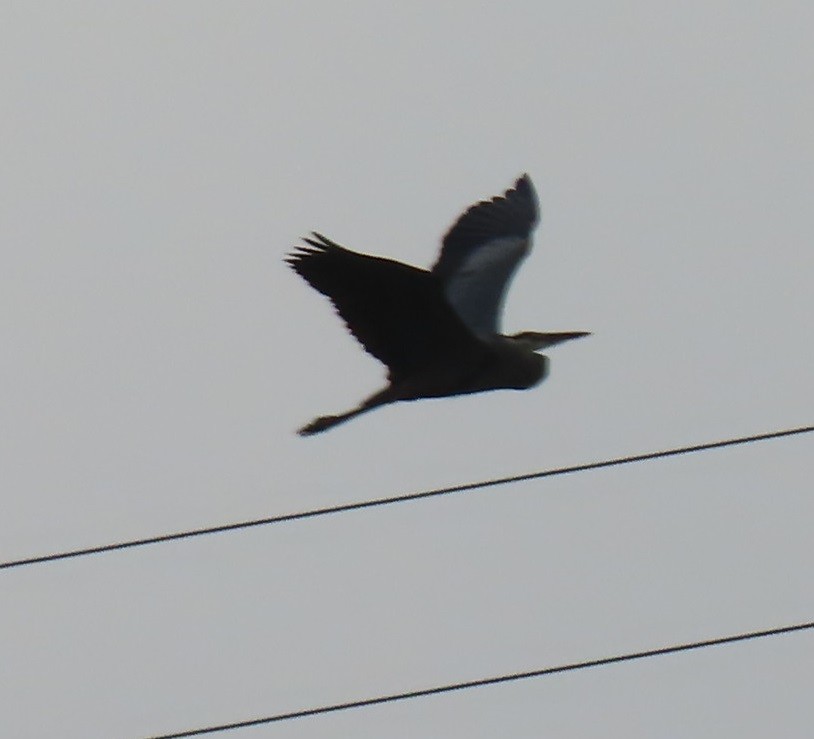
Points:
[[481, 253], [397, 312]]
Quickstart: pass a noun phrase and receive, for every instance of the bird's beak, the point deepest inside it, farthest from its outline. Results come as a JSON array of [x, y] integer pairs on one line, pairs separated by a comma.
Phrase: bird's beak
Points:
[[535, 340], [558, 338]]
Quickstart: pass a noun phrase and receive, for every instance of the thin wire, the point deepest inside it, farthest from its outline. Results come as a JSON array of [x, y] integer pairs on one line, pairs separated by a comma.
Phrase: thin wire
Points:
[[313, 513], [486, 681]]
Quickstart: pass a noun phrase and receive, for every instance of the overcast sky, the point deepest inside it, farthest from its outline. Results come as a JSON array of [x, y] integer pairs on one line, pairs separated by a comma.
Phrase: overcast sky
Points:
[[158, 161]]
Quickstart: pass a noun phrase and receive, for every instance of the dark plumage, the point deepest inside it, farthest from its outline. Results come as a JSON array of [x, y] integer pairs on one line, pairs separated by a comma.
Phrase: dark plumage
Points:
[[436, 331]]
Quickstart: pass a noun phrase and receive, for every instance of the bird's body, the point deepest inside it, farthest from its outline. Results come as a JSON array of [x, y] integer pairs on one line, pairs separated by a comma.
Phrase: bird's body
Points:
[[437, 331]]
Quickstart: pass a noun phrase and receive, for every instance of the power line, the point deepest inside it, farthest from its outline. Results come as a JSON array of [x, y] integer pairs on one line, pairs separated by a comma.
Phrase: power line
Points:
[[343, 508], [486, 681]]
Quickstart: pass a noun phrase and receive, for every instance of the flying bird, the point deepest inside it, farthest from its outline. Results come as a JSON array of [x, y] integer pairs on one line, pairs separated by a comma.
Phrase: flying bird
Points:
[[438, 330]]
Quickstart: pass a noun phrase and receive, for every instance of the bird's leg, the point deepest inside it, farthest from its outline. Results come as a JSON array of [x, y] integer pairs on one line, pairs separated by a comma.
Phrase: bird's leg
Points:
[[323, 423]]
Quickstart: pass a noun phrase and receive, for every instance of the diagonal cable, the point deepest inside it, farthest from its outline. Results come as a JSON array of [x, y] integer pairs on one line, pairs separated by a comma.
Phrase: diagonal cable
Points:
[[346, 507], [487, 681]]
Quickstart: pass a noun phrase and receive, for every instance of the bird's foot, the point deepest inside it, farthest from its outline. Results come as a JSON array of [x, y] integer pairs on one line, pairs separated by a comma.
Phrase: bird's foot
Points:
[[320, 424]]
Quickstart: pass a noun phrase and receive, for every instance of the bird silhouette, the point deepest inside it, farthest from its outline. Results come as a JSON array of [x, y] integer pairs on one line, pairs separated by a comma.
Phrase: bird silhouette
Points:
[[437, 331]]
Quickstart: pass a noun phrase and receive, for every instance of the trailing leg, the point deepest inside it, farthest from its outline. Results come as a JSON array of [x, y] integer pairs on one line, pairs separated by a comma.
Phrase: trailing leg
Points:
[[323, 423]]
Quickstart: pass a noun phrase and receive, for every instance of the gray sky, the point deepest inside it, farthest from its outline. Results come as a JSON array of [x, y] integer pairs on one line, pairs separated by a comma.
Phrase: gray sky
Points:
[[159, 159]]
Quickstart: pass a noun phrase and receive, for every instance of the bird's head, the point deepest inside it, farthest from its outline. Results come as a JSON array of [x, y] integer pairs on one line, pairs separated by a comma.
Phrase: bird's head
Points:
[[535, 340]]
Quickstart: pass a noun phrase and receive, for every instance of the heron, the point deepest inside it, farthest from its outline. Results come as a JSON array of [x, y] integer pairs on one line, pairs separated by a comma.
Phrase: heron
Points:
[[437, 331]]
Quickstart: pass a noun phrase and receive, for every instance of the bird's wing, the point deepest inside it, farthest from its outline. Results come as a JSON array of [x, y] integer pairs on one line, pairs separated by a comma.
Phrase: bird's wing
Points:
[[481, 252], [397, 312]]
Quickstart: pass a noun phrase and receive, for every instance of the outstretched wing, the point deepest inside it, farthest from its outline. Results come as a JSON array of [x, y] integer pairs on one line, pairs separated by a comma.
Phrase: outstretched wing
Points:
[[397, 312], [481, 252]]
